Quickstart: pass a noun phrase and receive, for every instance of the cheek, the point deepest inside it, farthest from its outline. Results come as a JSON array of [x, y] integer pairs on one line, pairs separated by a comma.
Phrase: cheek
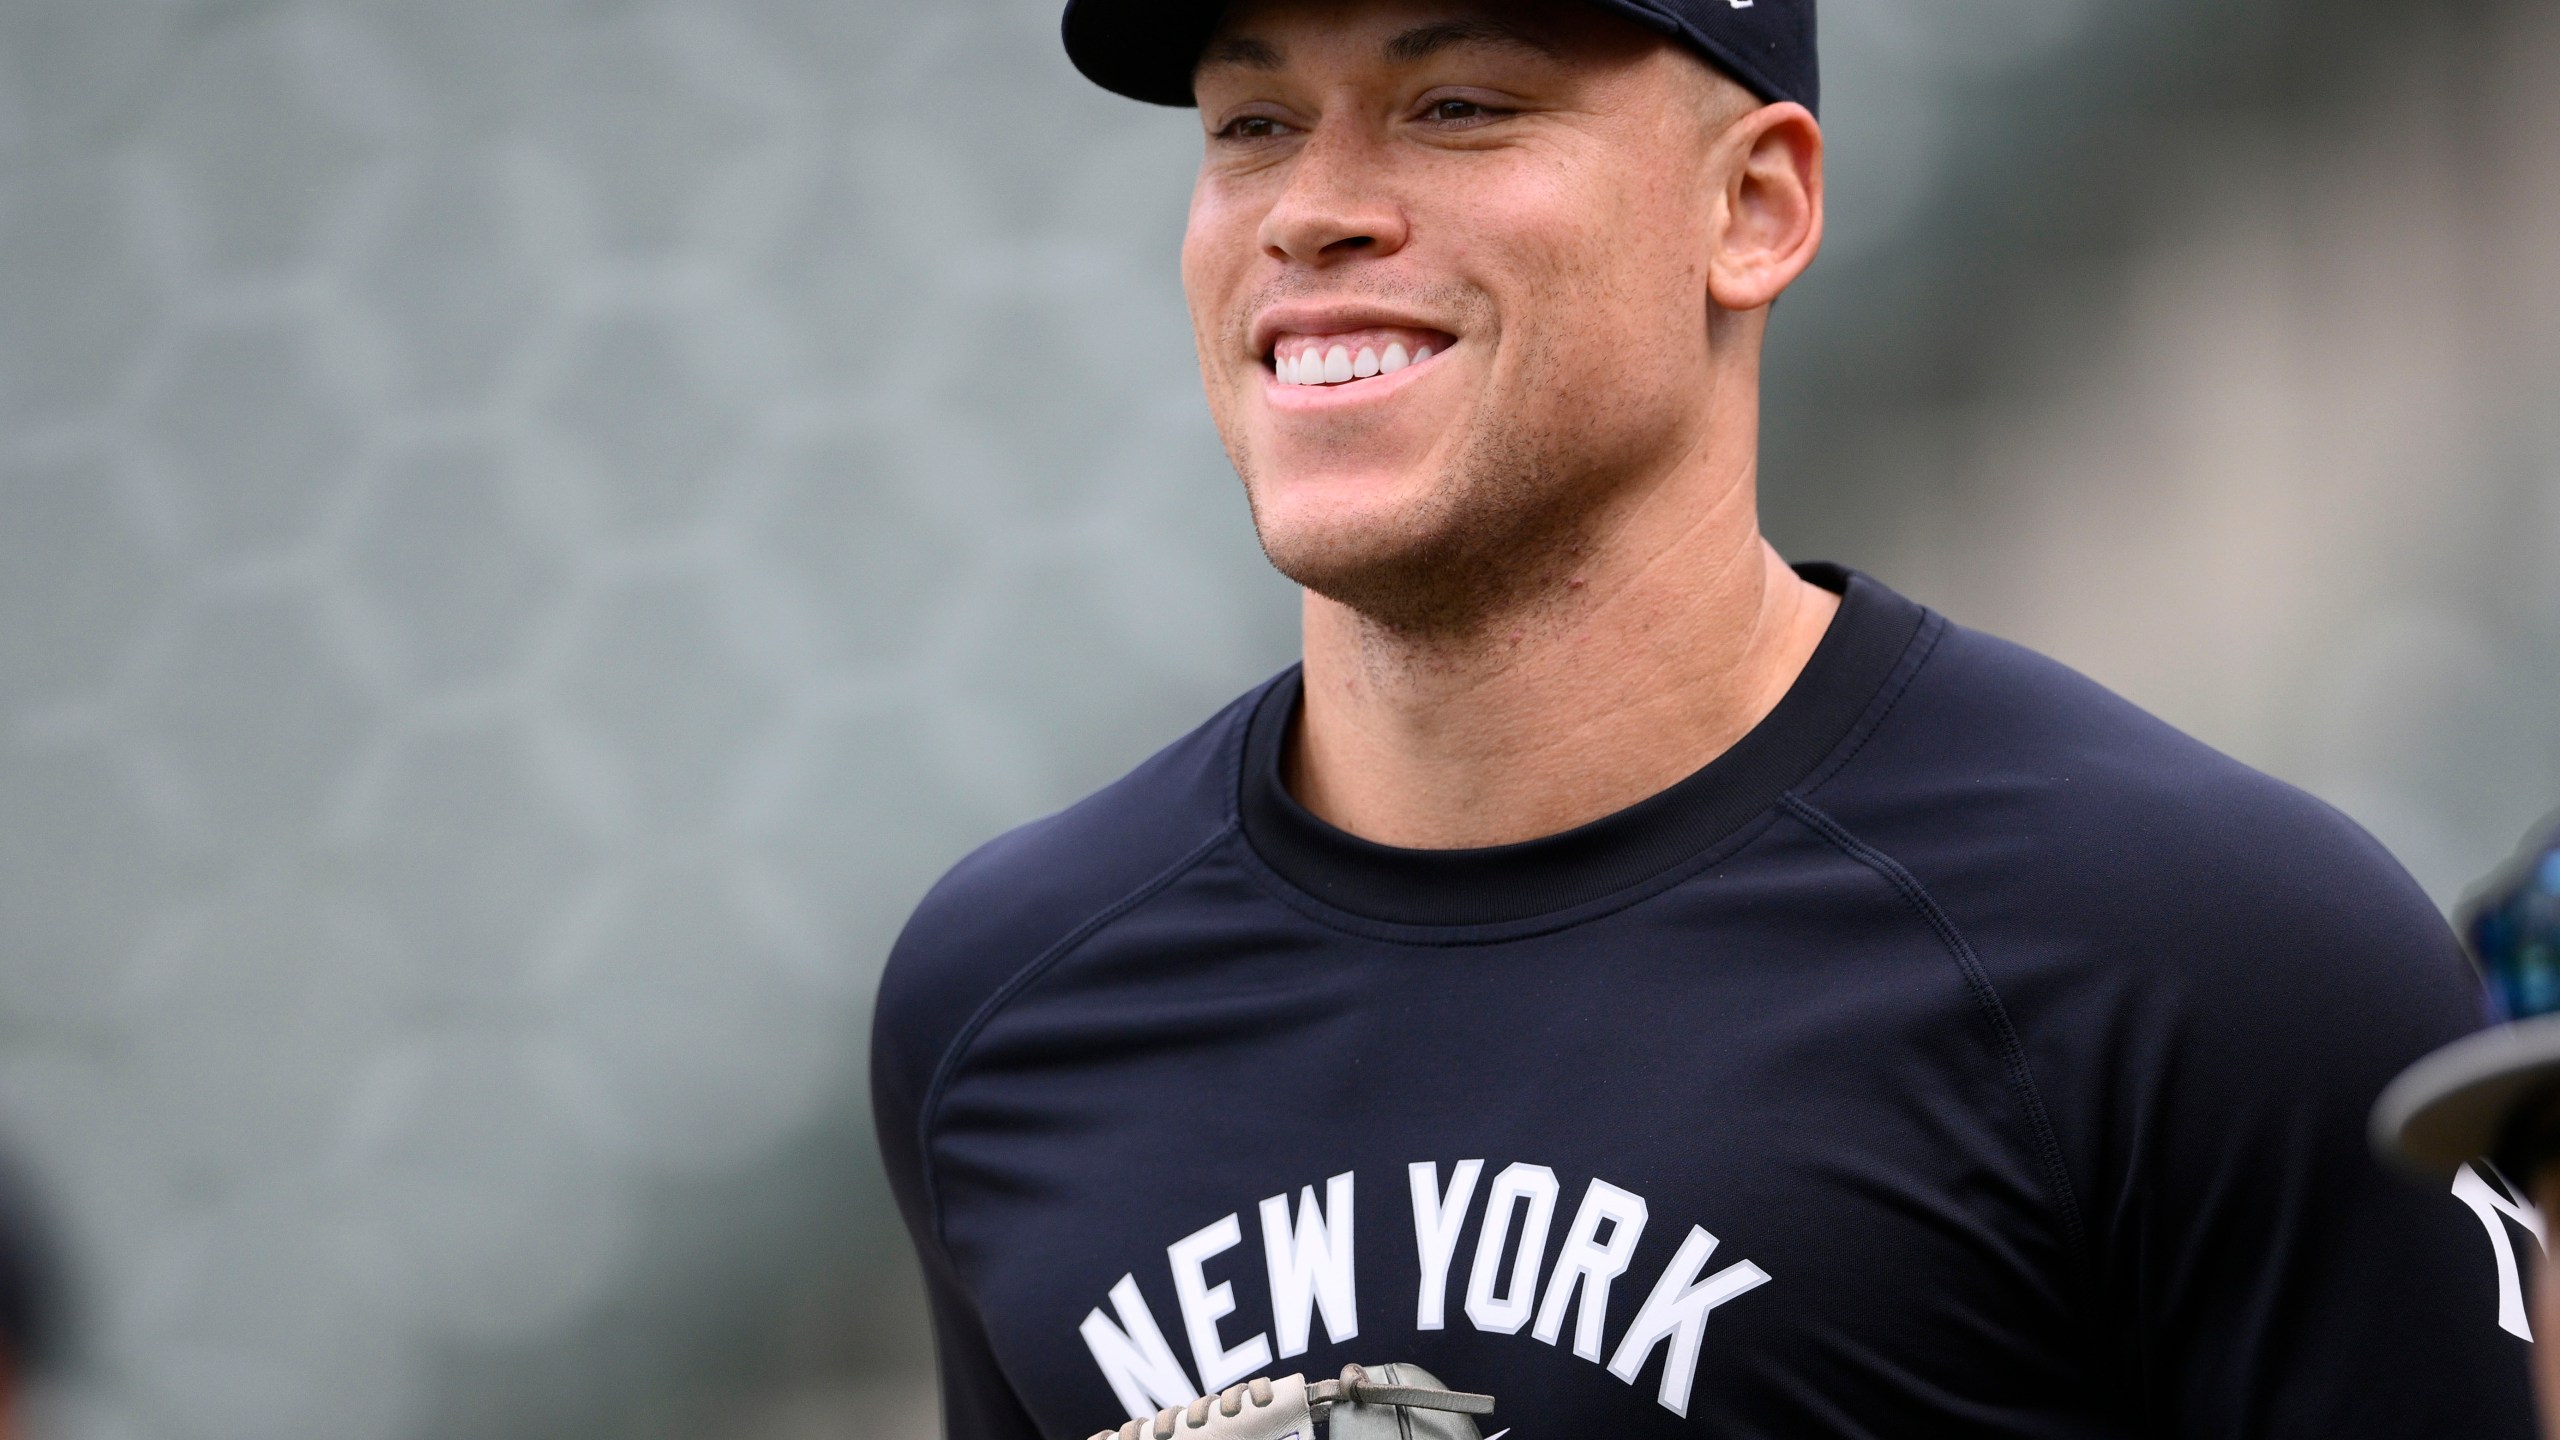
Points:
[[1199, 292], [1622, 295], [1217, 246], [1609, 251]]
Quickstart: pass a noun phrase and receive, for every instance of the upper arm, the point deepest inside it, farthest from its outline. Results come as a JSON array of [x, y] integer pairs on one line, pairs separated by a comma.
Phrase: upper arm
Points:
[[978, 1403], [2269, 1277]]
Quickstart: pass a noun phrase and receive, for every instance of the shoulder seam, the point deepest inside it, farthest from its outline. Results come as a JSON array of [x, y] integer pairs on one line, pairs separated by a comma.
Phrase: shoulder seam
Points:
[[1923, 648], [2013, 1054], [931, 1104]]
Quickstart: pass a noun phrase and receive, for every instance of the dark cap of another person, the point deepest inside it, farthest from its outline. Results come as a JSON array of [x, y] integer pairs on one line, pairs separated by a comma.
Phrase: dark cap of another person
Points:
[[1147, 49], [2496, 1093], [31, 1300]]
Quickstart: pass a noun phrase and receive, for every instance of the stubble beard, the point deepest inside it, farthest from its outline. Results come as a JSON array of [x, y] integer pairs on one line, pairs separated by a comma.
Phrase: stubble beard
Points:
[[1495, 537], [1489, 531]]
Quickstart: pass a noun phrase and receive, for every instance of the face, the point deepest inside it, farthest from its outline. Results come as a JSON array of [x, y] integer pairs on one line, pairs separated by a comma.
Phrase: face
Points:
[[1449, 270]]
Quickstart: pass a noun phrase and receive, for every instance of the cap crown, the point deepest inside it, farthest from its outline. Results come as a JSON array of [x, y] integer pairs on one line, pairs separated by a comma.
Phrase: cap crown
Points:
[[1146, 49]]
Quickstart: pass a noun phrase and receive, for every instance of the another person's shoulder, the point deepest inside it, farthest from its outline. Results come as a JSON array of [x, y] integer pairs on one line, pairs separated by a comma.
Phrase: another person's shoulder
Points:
[[1018, 896]]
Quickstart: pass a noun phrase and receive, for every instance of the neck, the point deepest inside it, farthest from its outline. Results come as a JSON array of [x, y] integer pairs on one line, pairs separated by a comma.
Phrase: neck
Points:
[[1681, 632]]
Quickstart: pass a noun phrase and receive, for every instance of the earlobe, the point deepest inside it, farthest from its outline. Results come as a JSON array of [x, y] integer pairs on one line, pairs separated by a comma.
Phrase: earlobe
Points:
[[1773, 208]]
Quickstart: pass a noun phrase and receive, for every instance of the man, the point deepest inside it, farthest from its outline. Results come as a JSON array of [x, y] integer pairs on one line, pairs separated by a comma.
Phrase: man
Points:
[[1676, 993], [30, 1300], [2494, 1097]]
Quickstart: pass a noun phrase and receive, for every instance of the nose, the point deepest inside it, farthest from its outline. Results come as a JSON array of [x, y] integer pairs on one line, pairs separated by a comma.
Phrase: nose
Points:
[[1337, 203]]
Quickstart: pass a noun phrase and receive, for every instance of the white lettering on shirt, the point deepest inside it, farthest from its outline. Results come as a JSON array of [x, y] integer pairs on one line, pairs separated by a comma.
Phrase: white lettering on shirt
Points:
[[1204, 1305], [1505, 1313], [1436, 1223], [1310, 1256], [1677, 1311], [1134, 1358], [1592, 1264], [1311, 1265]]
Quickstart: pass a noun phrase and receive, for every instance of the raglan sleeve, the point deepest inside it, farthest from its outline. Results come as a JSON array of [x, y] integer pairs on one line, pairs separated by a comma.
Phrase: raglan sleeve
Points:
[[912, 1025], [2265, 1274]]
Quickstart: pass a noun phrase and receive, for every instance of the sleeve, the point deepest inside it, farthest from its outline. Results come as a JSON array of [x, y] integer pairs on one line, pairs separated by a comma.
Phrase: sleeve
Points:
[[2267, 1276], [977, 1403], [909, 1031], [971, 935]]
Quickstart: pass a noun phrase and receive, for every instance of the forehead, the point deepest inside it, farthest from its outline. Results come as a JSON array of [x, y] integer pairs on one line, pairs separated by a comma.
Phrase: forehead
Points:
[[1301, 35]]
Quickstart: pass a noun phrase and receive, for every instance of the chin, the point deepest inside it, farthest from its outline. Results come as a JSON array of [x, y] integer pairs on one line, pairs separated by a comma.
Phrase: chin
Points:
[[1418, 526], [1399, 552]]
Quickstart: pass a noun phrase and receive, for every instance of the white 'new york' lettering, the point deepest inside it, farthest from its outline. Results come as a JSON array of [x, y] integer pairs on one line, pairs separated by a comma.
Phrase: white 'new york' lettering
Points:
[[1204, 1305], [1591, 1264], [1134, 1358], [1504, 1314], [1311, 1265], [1309, 1257], [1436, 1223], [1677, 1311]]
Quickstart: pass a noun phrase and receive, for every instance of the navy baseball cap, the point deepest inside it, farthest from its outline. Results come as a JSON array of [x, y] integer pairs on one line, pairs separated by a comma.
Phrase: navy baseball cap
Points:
[[1146, 49], [2491, 1093]]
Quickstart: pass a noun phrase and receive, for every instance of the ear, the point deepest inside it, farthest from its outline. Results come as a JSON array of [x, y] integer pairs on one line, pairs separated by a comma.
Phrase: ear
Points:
[[1772, 205]]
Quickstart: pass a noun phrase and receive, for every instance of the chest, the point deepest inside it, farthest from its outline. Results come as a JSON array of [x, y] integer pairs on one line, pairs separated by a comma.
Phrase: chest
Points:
[[1696, 1178]]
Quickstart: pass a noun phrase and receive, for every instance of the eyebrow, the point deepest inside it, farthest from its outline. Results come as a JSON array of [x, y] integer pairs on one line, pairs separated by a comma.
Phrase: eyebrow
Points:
[[1424, 41], [1241, 51], [1407, 48]]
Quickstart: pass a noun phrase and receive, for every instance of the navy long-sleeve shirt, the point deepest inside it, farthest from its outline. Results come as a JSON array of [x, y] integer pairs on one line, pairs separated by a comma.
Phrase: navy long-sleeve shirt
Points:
[[1963, 1051]]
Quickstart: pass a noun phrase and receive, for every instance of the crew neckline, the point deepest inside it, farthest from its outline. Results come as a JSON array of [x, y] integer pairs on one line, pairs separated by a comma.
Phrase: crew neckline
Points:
[[1858, 654]]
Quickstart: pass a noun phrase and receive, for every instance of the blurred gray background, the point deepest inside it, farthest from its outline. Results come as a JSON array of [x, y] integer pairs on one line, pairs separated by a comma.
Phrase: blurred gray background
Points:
[[531, 531]]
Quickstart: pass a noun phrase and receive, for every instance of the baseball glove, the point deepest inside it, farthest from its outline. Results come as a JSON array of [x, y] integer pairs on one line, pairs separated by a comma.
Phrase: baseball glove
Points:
[[1392, 1402]]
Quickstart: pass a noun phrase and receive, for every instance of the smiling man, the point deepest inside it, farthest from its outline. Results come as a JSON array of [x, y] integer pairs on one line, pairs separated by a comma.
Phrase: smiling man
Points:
[[1679, 993]]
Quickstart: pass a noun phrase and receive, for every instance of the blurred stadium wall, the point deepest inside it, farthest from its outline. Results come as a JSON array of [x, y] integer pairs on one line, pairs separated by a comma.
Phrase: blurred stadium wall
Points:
[[530, 532]]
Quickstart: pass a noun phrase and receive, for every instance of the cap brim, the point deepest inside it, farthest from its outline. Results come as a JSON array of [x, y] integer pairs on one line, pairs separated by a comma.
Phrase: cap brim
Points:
[[1144, 49], [1148, 49], [2453, 1105]]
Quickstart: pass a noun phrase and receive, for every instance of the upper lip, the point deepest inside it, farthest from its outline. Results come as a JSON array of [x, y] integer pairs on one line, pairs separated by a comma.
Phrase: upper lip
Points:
[[1311, 317]]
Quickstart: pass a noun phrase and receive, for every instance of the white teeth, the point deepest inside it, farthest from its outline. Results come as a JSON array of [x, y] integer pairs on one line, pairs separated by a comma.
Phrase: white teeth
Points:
[[1339, 365]]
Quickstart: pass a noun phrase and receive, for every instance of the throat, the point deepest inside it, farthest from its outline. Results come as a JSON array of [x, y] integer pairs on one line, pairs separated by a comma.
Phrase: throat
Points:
[[1503, 733]]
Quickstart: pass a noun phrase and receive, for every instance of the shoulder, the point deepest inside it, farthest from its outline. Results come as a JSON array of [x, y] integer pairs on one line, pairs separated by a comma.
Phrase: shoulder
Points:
[[2203, 977], [1021, 894], [2058, 822], [2029, 755]]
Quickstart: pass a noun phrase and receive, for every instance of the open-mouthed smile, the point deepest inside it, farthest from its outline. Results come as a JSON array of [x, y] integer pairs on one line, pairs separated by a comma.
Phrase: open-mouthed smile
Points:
[[1340, 357]]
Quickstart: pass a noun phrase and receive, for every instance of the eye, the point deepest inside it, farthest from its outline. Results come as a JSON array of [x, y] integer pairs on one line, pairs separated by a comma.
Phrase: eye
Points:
[[1448, 110], [1250, 127]]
